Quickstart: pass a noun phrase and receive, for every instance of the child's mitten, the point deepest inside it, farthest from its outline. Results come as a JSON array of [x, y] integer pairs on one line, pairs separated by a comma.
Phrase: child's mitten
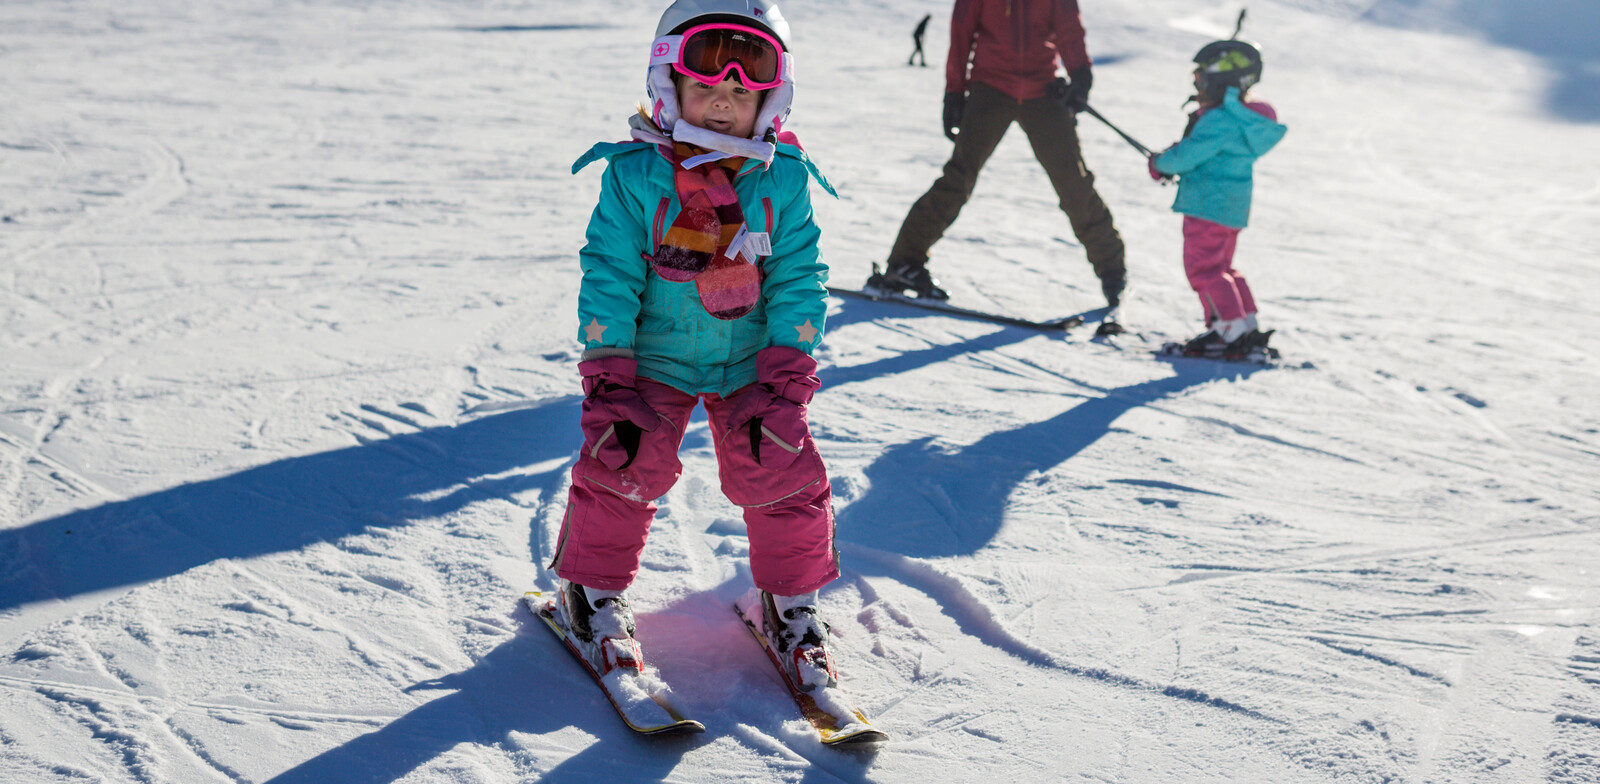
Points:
[[1155, 173], [773, 410], [614, 416]]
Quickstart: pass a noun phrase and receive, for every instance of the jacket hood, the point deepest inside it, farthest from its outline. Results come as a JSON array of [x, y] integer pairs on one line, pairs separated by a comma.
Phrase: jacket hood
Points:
[[1262, 131]]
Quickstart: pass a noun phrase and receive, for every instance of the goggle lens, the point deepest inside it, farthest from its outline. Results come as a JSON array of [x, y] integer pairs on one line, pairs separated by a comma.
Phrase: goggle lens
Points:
[[709, 52]]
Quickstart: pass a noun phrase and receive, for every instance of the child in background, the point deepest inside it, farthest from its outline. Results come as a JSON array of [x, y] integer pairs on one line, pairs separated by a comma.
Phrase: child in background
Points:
[[1213, 163], [703, 284]]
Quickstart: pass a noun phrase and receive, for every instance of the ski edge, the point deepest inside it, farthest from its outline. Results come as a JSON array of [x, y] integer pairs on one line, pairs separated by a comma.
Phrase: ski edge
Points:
[[1053, 325], [679, 725], [853, 729]]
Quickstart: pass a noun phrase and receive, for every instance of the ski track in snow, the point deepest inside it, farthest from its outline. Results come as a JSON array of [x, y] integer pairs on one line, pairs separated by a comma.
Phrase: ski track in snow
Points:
[[289, 395]]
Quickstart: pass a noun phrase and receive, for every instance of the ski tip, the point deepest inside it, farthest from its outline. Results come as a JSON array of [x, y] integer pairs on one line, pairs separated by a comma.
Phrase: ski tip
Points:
[[542, 608], [683, 727]]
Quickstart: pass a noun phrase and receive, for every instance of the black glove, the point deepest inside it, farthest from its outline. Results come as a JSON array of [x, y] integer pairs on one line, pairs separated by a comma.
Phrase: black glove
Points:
[[954, 105], [1074, 96]]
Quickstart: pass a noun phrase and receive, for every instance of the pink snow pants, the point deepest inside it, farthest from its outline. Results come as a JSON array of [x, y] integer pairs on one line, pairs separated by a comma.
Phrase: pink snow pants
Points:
[[788, 514], [1208, 260]]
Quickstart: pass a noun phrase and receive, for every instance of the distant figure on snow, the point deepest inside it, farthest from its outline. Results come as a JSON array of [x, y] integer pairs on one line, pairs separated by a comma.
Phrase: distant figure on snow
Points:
[[916, 35], [1213, 164], [702, 283], [1014, 47]]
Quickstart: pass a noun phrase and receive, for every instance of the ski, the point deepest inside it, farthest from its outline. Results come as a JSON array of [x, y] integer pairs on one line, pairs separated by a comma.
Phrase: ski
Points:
[[1052, 325], [641, 699], [1260, 355], [828, 709]]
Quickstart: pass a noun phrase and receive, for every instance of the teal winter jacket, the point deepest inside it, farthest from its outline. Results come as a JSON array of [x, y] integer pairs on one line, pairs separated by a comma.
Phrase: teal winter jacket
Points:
[[625, 308], [1214, 161]]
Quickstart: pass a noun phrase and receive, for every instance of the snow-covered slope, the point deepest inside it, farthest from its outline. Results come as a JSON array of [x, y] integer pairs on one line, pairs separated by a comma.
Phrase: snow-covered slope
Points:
[[287, 405]]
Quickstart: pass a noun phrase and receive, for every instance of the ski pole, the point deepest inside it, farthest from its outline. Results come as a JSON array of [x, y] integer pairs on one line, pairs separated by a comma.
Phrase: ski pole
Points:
[[1125, 137]]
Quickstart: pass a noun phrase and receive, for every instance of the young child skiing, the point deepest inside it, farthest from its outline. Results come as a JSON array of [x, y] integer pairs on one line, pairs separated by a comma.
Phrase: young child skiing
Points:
[[1213, 163], [703, 284]]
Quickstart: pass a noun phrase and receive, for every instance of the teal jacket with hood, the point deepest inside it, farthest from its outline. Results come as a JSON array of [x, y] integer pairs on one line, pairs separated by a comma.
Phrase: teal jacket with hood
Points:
[[1214, 160], [625, 309]]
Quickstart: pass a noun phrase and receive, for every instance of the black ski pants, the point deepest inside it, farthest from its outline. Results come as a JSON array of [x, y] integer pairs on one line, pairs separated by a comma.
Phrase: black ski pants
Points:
[[1053, 133]]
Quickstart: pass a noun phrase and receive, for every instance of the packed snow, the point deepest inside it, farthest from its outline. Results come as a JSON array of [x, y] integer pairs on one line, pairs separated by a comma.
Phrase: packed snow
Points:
[[288, 399]]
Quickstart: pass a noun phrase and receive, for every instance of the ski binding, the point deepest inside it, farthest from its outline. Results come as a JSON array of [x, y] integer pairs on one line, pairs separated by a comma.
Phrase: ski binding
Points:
[[641, 699], [828, 709]]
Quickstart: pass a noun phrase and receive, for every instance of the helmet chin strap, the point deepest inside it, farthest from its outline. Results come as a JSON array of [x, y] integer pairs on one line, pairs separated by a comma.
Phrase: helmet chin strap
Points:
[[665, 110], [725, 146]]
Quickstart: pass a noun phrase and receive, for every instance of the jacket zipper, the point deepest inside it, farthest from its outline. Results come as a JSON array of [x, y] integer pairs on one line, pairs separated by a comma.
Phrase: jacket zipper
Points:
[[661, 218]]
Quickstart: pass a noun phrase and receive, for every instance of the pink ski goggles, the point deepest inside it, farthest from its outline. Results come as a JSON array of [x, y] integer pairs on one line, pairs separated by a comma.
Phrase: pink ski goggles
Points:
[[709, 52]]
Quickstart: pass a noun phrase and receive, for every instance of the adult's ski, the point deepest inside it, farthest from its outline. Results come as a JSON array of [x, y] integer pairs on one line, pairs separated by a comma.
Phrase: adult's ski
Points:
[[828, 709], [1052, 325], [642, 700]]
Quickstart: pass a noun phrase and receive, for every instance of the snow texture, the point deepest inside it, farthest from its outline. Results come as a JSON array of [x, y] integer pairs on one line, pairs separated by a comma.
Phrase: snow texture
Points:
[[288, 400]]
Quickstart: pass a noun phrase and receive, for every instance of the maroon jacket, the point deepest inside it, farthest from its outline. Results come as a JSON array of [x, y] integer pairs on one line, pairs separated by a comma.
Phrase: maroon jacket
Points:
[[1014, 45]]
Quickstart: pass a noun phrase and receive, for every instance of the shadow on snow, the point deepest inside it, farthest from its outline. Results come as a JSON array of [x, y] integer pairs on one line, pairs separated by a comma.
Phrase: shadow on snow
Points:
[[932, 500], [518, 687], [288, 505]]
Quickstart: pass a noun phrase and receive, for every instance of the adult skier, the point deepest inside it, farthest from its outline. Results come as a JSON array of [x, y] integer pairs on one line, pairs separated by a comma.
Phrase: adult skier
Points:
[[1004, 55]]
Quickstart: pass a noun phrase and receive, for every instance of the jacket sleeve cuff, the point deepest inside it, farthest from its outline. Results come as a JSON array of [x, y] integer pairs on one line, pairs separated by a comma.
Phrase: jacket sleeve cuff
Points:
[[602, 353]]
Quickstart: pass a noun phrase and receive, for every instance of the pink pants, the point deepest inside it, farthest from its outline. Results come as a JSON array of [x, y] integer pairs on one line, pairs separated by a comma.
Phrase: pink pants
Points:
[[1208, 261], [788, 514]]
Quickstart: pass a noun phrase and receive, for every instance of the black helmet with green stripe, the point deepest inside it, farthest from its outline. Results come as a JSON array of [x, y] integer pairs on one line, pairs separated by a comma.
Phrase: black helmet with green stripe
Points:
[[1224, 64]]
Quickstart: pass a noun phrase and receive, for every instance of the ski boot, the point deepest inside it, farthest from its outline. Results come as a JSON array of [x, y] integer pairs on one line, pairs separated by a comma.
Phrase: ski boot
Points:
[[1248, 346], [903, 276], [1112, 285], [602, 623], [800, 637], [1208, 345]]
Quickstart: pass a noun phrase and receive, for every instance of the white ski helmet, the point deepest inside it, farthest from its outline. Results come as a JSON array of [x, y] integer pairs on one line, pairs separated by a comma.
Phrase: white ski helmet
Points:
[[762, 15]]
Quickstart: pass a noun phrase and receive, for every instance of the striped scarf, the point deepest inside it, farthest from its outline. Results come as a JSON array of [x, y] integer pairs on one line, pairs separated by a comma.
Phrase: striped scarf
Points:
[[706, 242]]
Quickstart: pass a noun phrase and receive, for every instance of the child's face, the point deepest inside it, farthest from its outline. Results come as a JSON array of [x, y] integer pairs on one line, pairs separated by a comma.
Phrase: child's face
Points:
[[729, 108], [1200, 96]]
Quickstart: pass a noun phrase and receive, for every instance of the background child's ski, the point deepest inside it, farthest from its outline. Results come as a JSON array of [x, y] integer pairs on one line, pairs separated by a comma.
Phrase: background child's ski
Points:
[[1260, 355]]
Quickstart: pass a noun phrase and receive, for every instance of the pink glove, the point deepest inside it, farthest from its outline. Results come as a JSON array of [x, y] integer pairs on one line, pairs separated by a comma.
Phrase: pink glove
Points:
[[774, 408], [614, 416], [1157, 174]]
